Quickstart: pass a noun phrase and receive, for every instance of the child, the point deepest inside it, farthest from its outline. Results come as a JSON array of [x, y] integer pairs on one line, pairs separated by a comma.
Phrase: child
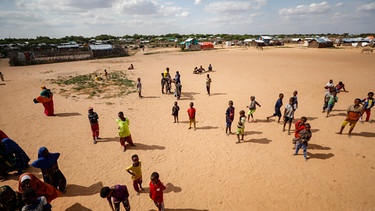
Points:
[[139, 88], [2, 76], [327, 96], [178, 90], [124, 131], [295, 104], [191, 113], [106, 74], [241, 126], [119, 193], [252, 108], [304, 137], [136, 172], [289, 114], [229, 116], [175, 110], [331, 102], [162, 83], [156, 191], [299, 126], [93, 118], [340, 86], [34, 203], [278, 105], [208, 84], [368, 103]]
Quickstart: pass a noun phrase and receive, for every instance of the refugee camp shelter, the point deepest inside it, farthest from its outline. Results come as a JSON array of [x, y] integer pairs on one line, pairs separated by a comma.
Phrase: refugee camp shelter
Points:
[[100, 50], [321, 42], [206, 45], [191, 44], [265, 39]]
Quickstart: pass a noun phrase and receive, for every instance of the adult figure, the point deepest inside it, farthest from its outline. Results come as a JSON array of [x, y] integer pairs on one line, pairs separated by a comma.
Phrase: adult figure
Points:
[[14, 154], [52, 175], [46, 98], [354, 112], [28, 180], [9, 199]]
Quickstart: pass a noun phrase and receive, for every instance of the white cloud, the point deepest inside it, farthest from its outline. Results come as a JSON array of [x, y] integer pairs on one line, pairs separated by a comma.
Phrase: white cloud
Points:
[[314, 8], [228, 7], [136, 7], [367, 7], [198, 1]]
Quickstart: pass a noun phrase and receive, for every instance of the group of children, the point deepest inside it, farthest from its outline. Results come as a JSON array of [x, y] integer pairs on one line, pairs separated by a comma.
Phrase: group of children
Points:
[[120, 194]]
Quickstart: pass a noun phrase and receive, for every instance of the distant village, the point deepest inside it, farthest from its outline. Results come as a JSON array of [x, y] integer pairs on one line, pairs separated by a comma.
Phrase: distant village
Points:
[[45, 50]]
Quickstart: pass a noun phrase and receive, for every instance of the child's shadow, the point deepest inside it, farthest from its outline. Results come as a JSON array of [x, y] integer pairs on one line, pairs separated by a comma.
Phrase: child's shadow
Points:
[[171, 188], [77, 206], [78, 190]]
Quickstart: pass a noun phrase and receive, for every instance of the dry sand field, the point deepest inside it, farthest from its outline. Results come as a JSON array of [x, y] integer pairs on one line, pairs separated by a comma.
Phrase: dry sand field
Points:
[[204, 169]]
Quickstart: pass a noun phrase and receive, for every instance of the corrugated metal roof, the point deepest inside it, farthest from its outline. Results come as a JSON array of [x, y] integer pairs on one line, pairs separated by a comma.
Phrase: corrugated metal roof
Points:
[[101, 47]]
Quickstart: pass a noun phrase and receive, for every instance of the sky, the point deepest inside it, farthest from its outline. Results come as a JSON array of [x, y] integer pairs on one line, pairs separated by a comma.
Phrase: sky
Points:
[[90, 18]]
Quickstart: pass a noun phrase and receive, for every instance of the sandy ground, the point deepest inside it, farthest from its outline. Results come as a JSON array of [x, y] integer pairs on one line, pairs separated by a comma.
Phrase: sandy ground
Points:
[[205, 169]]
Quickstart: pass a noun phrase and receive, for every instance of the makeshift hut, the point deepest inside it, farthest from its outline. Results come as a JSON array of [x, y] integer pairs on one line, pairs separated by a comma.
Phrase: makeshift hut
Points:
[[265, 39], [103, 50], [206, 45], [321, 42], [190, 44]]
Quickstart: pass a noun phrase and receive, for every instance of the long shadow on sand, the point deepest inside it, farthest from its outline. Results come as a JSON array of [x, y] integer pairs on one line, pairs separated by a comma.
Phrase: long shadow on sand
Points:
[[338, 114], [139, 146], [318, 147], [364, 134], [257, 141], [207, 128], [315, 130], [213, 94], [78, 190], [252, 133], [76, 207], [150, 97], [103, 140], [181, 209], [321, 156], [171, 188], [188, 95], [68, 114]]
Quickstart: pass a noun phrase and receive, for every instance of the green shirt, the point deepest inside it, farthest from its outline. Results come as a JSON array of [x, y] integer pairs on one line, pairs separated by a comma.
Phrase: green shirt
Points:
[[124, 128]]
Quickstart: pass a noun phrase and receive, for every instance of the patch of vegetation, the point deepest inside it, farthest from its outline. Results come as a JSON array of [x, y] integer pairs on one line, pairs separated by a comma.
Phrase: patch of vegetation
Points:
[[94, 85]]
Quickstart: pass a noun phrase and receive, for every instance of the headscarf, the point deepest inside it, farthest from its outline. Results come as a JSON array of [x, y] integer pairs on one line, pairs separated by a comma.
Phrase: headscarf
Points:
[[45, 162]]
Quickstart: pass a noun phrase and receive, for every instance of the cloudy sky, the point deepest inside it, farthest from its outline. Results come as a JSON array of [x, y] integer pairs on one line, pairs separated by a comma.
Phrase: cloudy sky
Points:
[[88, 18]]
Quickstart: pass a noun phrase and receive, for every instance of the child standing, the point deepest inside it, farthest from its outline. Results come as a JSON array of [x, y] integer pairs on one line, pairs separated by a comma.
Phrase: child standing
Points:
[[229, 117], [175, 110], [278, 105], [139, 88], [156, 191], [124, 131], [162, 83], [93, 118], [304, 138], [295, 104], [34, 203], [368, 103], [289, 114], [208, 84], [191, 113], [136, 171], [106, 74], [252, 108], [119, 193], [241, 126], [331, 102]]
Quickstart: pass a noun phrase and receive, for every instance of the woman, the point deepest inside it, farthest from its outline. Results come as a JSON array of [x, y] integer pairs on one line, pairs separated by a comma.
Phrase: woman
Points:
[[14, 154], [52, 175], [46, 98], [28, 180]]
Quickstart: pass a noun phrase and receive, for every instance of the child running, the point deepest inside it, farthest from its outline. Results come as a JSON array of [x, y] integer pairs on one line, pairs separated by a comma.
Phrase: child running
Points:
[[93, 118], [136, 171], [156, 191], [304, 138], [124, 131], [368, 103], [278, 105], [289, 114], [252, 108], [175, 110], [241, 126], [331, 102], [119, 193], [191, 113]]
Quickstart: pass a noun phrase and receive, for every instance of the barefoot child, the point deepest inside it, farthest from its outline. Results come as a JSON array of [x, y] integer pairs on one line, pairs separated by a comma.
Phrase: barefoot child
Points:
[[136, 172], [252, 108], [229, 117], [139, 88], [208, 84], [289, 114], [241, 126], [175, 110], [278, 105], [124, 131], [304, 138], [191, 113], [119, 193], [368, 103], [331, 102], [156, 191], [93, 118]]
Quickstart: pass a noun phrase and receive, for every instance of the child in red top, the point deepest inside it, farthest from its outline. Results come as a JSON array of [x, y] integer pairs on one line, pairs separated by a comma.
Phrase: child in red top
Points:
[[191, 112], [156, 191]]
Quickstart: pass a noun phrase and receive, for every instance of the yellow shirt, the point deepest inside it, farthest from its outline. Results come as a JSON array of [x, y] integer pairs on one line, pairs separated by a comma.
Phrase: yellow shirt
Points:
[[124, 128], [136, 170]]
